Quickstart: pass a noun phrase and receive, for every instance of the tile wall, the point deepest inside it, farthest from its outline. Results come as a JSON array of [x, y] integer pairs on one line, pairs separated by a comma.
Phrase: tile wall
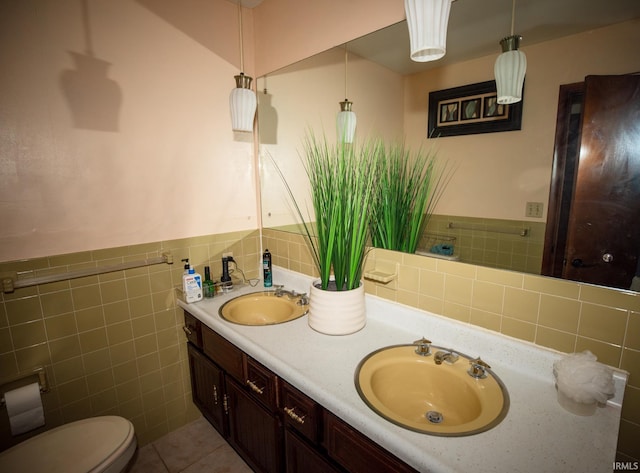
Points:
[[561, 315], [489, 242], [113, 343]]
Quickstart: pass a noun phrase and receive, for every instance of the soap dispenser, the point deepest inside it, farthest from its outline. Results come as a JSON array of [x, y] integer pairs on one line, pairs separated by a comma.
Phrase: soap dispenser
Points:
[[192, 286]]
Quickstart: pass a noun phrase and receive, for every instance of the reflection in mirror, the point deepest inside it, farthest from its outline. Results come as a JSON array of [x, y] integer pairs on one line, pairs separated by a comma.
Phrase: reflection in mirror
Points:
[[494, 210]]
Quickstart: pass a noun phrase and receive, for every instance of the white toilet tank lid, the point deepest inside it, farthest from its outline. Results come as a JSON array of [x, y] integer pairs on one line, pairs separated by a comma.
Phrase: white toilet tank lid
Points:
[[84, 446]]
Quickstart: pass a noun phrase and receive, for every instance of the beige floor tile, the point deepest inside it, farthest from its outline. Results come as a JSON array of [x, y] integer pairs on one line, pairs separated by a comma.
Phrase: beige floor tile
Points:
[[147, 460], [184, 447], [222, 460]]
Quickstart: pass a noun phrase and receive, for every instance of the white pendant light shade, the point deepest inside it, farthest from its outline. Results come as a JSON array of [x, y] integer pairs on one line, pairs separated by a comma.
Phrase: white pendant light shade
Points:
[[427, 21], [242, 103], [346, 123], [509, 71]]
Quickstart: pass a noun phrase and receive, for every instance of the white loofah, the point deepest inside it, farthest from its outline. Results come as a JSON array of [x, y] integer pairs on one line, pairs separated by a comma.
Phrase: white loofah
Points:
[[581, 378]]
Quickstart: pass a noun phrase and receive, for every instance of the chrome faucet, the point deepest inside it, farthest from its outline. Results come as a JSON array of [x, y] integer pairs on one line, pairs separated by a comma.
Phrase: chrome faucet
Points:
[[447, 356], [302, 297]]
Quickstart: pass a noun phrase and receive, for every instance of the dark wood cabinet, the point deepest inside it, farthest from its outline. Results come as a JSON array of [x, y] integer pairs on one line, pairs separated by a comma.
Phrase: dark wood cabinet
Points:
[[208, 388], [254, 431], [301, 457], [271, 424], [238, 397], [357, 453]]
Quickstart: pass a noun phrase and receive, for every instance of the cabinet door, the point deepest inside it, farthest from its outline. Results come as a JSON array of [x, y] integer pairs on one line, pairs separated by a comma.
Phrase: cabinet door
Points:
[[207, 388], [356, 452], [254, 432], [302, 458]]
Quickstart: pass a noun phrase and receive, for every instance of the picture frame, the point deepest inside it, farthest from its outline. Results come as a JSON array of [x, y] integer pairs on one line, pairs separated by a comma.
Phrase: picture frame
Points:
[[471, 109]]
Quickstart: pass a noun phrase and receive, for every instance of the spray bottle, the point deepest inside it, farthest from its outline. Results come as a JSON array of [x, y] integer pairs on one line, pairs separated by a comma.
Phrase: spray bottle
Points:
[[266, 268]]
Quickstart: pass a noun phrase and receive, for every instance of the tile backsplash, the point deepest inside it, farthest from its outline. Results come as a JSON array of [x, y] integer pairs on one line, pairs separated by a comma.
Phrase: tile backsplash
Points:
[[112, 343], [562, 315]]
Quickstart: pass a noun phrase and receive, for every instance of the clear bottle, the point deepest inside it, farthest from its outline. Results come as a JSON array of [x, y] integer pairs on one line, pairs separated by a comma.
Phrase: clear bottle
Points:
[[266, 268], [208, 287]]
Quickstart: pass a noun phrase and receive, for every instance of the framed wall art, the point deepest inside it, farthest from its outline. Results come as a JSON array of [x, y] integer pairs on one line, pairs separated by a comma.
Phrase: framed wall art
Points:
[[471, 109]]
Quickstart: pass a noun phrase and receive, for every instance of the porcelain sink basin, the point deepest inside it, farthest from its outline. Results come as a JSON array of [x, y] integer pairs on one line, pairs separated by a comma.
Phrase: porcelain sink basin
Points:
[[262, 308], [415, 392]]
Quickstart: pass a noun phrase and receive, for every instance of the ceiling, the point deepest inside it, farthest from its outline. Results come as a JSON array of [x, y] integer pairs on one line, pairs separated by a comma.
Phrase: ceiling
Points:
[[477, 26]]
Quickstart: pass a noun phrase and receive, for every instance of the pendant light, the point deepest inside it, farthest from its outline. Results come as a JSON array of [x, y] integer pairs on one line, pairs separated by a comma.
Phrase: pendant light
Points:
[[427, 21], [242, 100], [346, 120], [510, 67]]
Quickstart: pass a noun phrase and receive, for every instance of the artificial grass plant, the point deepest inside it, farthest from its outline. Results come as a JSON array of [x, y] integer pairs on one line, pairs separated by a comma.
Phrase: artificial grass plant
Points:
[[342, 181], [409, 187]]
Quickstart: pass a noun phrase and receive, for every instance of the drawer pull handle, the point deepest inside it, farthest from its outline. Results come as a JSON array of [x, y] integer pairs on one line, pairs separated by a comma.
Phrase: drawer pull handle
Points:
[[254, 387], [215, 394], [187, 330], [291, 413]]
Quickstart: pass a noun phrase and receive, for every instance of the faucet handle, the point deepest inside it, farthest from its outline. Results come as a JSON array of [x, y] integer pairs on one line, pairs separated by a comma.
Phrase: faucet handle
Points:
[[278, 288], [423, 347], [303, 299], [478, 368]]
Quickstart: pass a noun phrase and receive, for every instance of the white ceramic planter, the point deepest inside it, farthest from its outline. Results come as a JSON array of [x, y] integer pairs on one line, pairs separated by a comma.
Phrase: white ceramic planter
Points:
[[336, 312]]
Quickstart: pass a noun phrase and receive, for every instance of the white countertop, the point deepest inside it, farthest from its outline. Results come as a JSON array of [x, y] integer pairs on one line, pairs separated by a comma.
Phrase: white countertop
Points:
[[536, 435]]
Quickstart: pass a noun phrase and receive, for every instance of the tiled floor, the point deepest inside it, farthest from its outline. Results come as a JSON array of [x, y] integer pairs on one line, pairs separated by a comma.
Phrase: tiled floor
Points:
[[194, 448]]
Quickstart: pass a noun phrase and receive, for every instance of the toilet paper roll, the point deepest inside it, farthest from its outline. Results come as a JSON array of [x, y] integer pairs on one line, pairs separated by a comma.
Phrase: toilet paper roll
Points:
[[24, 408]]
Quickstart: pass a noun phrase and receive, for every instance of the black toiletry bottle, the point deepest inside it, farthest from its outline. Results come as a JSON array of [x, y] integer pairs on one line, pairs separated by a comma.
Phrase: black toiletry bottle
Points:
[[208, 288], [266, 268], [225, 279]]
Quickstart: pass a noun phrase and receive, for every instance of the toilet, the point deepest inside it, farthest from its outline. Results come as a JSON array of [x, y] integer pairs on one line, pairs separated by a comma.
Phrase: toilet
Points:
[[97, 445]]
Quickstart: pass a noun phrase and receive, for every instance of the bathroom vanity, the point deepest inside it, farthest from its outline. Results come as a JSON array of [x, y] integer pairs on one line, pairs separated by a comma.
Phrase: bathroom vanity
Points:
[[284, 396]]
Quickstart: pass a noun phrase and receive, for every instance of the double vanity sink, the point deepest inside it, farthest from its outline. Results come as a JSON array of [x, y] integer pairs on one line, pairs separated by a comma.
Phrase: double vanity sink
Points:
[[440, 412], [445, 393]]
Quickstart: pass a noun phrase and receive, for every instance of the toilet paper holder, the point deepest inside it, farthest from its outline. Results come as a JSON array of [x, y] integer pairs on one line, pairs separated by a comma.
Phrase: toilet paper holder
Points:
[[41, 373]]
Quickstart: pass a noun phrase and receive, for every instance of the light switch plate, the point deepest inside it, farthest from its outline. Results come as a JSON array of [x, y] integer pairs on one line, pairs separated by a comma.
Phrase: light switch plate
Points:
[[534, 209]]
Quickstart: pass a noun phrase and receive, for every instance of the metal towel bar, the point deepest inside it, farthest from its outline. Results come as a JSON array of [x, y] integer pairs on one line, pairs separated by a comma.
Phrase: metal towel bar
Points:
[[9, 284], [523, 232]]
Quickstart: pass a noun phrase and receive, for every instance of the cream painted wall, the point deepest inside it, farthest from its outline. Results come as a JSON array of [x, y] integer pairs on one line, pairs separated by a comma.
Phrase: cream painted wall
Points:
[[484, 184], [290, 30], [168, 167], [306, 96]]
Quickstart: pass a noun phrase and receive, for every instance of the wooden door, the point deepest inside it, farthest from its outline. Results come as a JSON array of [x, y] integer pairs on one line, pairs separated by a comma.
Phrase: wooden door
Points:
[[593, 226], [603, 239]]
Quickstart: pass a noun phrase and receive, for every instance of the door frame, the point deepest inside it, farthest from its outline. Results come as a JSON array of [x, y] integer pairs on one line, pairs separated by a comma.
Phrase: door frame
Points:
[[553, 256]]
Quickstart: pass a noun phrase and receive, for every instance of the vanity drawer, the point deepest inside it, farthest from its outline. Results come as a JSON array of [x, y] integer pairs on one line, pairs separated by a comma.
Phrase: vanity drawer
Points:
[[226, 355], [193, 329], [301, 412], [262, 384]]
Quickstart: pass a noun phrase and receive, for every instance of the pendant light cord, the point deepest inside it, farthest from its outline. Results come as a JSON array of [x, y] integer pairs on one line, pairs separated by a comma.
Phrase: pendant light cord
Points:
[[346, 56], [240, 34], [513, 16]]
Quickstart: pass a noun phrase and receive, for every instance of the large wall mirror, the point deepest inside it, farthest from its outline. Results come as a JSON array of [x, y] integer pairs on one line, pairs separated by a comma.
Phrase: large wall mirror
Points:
[[494, 210]]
